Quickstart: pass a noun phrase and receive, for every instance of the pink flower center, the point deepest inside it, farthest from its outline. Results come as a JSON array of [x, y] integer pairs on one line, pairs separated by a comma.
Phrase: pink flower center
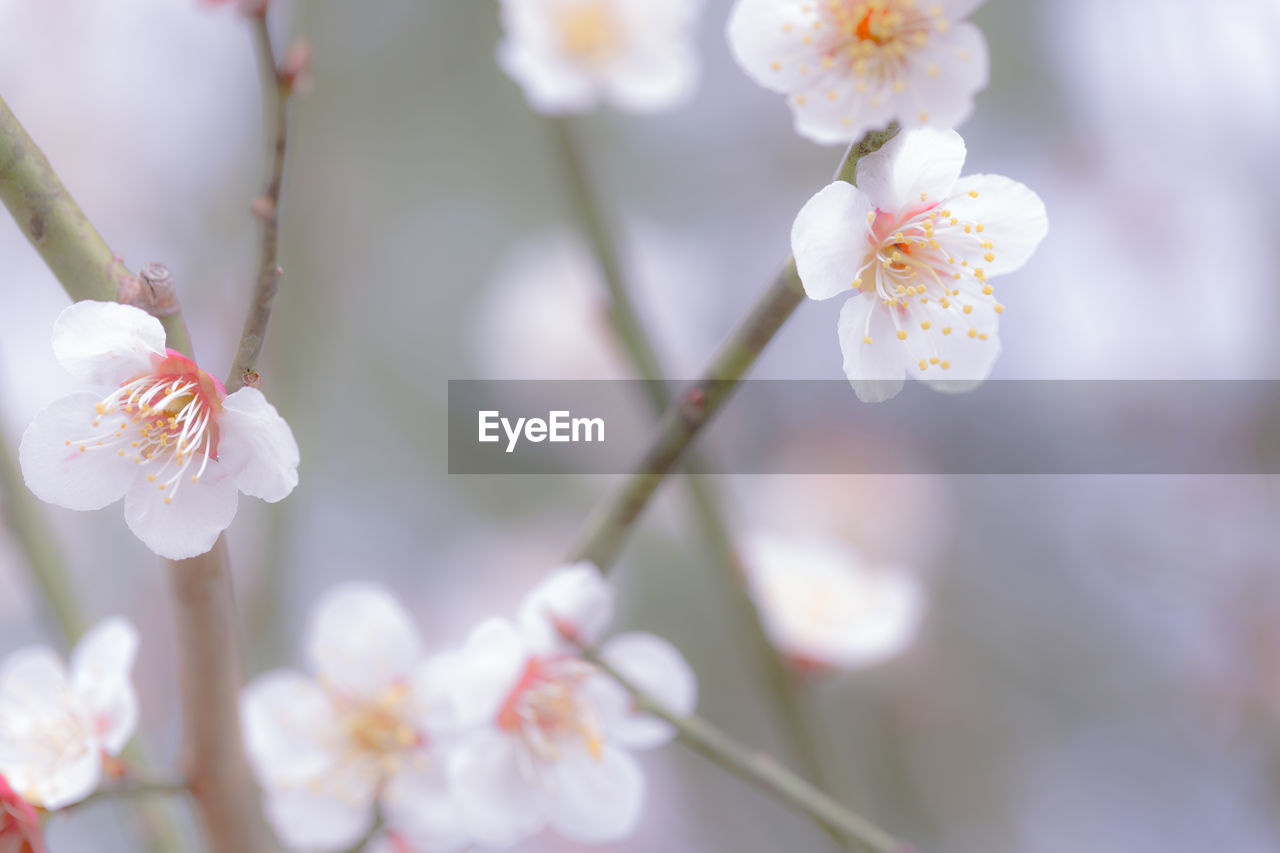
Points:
[[165, 420], [545, 708]]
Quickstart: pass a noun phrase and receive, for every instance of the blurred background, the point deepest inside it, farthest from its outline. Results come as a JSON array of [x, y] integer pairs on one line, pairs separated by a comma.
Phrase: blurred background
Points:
[[1099, 662]]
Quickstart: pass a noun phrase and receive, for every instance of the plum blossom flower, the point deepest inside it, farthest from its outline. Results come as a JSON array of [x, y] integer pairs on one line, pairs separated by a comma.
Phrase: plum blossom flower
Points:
[[361, 732], [157, 431], [918, 244], [849, 66], [19, 824], [56, 725], [568, 55], [553, 734], [823, 607]]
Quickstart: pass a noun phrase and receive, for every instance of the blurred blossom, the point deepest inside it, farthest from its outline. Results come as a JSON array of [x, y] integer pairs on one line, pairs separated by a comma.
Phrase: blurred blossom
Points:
[[569, 55], [166, 436], [553, 735], [848, 67], [55, 724], [19, 825], [917, 243], [546, 313], [824, 607], [363, 730]]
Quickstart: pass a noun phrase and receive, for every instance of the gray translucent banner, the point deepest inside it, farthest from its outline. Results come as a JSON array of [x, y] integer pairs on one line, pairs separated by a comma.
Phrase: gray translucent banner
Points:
[[820, 427]]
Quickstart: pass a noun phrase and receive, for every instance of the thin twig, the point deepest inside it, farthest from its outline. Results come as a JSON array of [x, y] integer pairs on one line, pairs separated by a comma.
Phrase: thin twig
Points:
[[275, 96], [128, 789], [758, 768], [793, 707], [609, 525]]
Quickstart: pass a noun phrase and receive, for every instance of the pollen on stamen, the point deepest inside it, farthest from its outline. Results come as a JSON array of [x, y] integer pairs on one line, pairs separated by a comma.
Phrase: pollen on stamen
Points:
[[999, 308], [867, 339], [902, 334]]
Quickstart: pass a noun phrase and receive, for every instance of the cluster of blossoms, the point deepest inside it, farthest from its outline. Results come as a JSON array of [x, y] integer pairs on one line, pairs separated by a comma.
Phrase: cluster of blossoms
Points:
[[58, 722], [486, 745], [156, 430]]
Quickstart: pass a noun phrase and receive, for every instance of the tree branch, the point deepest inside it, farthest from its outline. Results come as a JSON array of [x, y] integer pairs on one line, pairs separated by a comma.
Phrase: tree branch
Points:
[[275, 98]]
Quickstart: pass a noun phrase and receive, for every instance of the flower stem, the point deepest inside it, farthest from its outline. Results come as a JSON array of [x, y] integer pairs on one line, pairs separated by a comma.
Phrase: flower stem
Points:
[[129, 789], [791, 702], [761, 770], [611, 522], [275, 98]]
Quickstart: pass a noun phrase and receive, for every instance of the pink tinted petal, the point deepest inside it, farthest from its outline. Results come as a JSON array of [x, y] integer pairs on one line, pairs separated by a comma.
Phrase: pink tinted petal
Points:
[[499, 803], [291, 733], [596, 800], [656, 667], [101, 678], [491, 663], [877, 369], [360, 641], [257, 446], [106, 343], [61, 473], [189, 525], [829, 241], [575, 596], [918, 160]]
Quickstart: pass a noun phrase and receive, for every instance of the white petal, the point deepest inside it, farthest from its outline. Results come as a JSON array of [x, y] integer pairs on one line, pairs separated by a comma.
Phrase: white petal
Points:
[[360, 641], [919, 160], [499, 803], [758, 32], [576, 596], [1013, 219], [433, 683], [106, 343], [291, 732], [829, 240], [877, 369], [656, 667], [48, 751], [61, 473], [492, 662], [970, 359], [943, 77], [596, 800], [101, 677], [190, 525], [257, 446], [334, 818], [532, 57], [419, 806], [657, 77]]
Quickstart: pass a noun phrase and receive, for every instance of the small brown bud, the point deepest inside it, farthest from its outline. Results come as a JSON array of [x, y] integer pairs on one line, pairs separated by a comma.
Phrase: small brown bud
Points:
[[251, 379], [263, 207], [295, 68]]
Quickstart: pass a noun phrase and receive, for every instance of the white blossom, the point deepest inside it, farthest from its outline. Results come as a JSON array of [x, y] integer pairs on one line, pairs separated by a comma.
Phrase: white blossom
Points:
[[823, 606], [553, 735], [156, 430], [362, 730], [569, 55], [918, 246], [57, 722], [849, 66]]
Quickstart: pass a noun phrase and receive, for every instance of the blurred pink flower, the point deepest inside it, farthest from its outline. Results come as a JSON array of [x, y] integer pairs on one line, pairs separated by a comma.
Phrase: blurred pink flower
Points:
[[157, 431], [917, 243], [848, 67]]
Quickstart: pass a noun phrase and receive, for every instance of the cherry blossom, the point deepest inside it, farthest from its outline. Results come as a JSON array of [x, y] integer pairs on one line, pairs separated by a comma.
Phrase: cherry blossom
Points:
[[918, 246], [849, 66], [361, 731], [569, 55], [553, 735], [56, 724], [824, 607], [156, 430]]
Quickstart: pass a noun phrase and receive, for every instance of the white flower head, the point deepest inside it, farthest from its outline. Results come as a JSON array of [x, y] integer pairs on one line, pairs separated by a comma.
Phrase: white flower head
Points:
[[823, 607], [918, 246], [55, 723], [568, 55], [849, 66], [364, 730], [156, 430], [553, 734]]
